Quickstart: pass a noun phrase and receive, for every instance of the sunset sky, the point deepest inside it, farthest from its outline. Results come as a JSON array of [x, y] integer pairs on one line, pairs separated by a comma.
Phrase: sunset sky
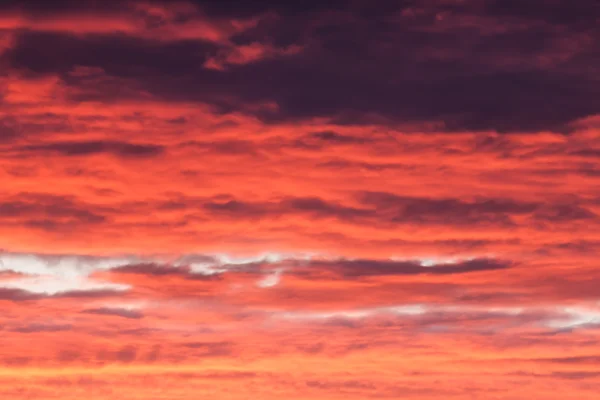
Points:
[[300, 200]]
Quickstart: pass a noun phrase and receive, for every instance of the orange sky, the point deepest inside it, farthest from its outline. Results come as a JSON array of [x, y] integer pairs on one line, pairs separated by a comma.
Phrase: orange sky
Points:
[[205, 199]]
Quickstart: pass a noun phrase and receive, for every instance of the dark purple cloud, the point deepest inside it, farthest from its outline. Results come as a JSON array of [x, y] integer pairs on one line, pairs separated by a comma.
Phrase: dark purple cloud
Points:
[[475, 65], [120, 149]]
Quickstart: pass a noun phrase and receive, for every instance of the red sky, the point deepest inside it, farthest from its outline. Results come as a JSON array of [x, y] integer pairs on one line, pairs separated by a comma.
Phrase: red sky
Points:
[[311, 200]]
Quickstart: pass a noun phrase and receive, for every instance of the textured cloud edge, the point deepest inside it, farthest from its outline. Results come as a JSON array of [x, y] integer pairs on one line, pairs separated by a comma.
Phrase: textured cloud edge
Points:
[[473, 65], [84, 321], [445, 294]]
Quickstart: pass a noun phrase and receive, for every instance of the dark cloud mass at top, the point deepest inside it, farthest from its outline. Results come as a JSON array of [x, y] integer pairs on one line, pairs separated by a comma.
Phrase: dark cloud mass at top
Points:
[[475, 65]]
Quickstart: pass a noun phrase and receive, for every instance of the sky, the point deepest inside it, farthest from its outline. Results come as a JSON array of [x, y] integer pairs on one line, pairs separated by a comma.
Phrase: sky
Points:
[[303, 199]]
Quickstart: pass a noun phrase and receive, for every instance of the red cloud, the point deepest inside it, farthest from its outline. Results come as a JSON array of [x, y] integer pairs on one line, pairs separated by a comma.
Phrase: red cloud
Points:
[[311, 200]]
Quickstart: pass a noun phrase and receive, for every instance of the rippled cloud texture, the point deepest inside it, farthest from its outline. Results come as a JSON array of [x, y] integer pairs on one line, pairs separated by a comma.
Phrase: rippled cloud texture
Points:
[[302, 200]]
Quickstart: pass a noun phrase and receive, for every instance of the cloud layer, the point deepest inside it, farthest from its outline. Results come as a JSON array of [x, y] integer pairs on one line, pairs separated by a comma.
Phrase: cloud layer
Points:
[[311, 199]]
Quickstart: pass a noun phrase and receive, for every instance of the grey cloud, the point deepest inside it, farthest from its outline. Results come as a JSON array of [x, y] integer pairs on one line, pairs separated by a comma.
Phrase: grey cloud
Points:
[[118, 312], [17, 295], [163, 270], [35, 328], [366, 268]]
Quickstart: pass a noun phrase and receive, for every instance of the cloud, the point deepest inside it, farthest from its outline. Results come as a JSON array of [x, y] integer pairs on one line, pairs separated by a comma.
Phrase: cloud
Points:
[[334, 137], [420, 69], [163, 22], [365, 268], [152, 269], [479, 211], [22, 294], [35, 328], [210, 272], [210, 349], [58, 264], [8, 130], [126, 354], [246, 54], [119, 149], [239, 182], [48, 211], [119, 312], [16, 294], [56, 276], [310, 206]]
